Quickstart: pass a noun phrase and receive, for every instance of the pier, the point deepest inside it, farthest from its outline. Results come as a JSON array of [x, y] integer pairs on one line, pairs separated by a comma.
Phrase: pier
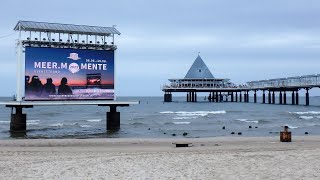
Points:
[[199, 79]]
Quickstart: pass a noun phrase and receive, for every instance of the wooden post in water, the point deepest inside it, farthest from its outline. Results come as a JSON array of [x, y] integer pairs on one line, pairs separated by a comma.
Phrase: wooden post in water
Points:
[[236, 96], [255, 96], [269, 97], [297, 98], [280, 97], [307, 97], [264, 97], [293, 97], [284, 98], [273, 98]]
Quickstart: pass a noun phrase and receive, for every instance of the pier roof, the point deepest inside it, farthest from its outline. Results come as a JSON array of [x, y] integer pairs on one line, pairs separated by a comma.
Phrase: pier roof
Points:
[[199, 70]]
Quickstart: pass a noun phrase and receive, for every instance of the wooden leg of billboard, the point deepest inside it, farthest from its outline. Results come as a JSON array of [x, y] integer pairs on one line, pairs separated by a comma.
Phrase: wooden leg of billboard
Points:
[[18, 122], [113, 119]]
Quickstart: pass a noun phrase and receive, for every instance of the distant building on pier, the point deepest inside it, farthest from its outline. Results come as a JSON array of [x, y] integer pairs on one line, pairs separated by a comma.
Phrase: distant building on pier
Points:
[[198, 79]]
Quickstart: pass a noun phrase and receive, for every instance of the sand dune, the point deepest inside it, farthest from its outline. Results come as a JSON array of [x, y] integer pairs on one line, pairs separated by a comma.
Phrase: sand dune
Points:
[[208, 158]]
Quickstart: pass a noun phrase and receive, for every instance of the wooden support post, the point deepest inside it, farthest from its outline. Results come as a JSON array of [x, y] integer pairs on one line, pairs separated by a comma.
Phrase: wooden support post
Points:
[[232, 100], [221, 97], [247, 96], [217, 97], [240, 96], [269, 97], [297, 98], [195, 97], [293, 97], [187, 97], [264, 97], [284, 98], [280, 97], [113, 119], [255, 96], [307, 97], [236, 96], [273, 98]]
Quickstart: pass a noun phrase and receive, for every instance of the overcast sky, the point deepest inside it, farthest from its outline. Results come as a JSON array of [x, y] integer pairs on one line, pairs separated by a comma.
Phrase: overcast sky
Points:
[[242, 40]]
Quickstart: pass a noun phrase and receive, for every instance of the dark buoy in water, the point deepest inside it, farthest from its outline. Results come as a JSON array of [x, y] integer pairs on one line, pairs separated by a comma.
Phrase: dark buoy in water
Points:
[[250, 127], [173, 134], [149, 129], [232, 133], [164, 133], [223, 127], [256, 127], [239, 133], [185, 134], [306, 133]]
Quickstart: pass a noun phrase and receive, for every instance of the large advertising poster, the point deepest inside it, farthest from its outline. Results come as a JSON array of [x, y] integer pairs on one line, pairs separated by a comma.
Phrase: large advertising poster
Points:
[[68, 74]]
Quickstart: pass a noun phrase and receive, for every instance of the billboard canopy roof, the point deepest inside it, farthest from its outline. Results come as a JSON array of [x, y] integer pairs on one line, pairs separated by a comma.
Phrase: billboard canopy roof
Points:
[[65, 28]]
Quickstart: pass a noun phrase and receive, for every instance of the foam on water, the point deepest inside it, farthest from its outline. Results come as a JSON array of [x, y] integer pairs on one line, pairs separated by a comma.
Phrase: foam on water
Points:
[[85, 126], [306, 117], [33, 121], [247, 121], [56, 125], [307, 112], [4, 122], [181, 118], [94, 120], [180, 123]]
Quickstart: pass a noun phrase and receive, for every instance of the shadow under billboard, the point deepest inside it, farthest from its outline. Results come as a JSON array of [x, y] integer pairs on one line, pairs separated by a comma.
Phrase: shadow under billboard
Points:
[[68, 74]]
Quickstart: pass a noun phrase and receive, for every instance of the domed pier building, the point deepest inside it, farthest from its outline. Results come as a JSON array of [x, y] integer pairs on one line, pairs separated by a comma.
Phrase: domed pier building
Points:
[[200, 79]]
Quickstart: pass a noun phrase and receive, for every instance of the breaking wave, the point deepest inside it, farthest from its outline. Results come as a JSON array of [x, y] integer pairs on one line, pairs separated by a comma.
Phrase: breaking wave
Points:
[[247, 121]]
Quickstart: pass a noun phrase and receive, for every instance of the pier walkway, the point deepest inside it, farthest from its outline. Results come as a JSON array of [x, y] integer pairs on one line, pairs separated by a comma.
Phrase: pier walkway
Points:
[[233, 93]]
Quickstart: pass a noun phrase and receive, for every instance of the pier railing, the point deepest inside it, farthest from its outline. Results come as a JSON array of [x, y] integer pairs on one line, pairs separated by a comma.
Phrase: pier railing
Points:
[[298, 81]]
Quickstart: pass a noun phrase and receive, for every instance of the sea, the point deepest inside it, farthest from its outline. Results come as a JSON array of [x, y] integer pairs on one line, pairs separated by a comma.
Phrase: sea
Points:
[[153, 118]]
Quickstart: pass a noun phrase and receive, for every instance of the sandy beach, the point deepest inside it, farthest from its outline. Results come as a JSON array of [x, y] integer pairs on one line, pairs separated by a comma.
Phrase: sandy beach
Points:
[[208, 158]]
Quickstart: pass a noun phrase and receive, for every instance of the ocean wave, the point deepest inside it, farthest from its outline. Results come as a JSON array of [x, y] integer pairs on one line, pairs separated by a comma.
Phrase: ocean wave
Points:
[[94, 120], [33, 121], [166, 112], [306, 117], [181, 118], [180, 123], [247, 121], [85, 126], [199, 113], [292, 127], [307, 112], [56, 125]]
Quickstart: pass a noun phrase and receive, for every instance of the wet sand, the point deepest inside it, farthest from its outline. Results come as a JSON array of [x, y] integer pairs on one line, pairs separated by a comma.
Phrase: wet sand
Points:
[[208, 158]]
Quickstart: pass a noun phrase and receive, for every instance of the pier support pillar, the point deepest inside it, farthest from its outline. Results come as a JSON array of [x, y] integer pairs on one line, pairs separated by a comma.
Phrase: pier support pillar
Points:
[[255, 96], [167, 97], [297, 98], [307, 98], [240, 96], [284, 98], [232, 100], [195, 97], [280, 97], [221, 97], [236, 96], [18, 122], [217, 97], [293, 98], [247, 97], [113, 119], [188, 97], [269, 97], [264, 97], [273, 98]]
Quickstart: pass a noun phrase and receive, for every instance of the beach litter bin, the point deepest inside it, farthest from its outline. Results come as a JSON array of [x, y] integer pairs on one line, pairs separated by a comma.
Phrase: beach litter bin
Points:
[[285, 136]]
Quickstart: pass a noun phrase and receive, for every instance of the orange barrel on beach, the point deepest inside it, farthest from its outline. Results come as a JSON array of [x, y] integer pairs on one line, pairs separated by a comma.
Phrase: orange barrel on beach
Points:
[[285, 136]]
